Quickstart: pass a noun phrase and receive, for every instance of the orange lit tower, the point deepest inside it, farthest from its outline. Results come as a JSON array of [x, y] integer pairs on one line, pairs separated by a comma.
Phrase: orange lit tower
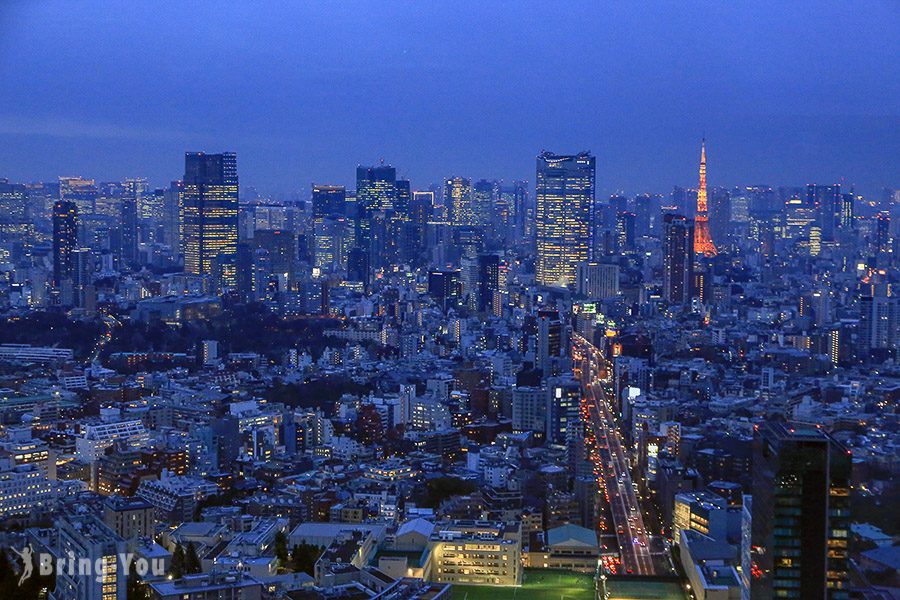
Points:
[[703, 242]]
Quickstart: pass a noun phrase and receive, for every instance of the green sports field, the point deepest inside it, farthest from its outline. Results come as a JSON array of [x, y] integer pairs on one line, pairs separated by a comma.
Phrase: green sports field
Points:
[[539, 584]]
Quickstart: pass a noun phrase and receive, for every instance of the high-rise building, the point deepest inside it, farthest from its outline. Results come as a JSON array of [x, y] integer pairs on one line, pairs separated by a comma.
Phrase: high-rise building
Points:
[[328, 200], [550, 343], [281, 247], [83, 192], [132, 198], [376, 188], [703, 242], [488, 283], [678, 258], [565, 203], [484, 194], [210, 208], [800, 516], [401, 202], [65, 239], [376, 192], [83, 277], [827, 203], [563, 406], [597, 281], [458, 197], [421, 211], [625, 225], [879, 322], [173, 216]]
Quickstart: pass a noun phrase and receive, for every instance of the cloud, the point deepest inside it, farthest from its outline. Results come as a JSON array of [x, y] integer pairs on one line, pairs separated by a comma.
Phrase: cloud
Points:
[[71, 128]]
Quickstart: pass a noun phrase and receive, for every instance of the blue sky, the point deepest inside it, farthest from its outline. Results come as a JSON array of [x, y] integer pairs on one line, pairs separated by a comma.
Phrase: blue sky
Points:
[[786, 93]]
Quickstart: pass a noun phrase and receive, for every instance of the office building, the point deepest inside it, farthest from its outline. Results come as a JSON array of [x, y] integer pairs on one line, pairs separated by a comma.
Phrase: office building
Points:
[[565, 202], [458, 197], [678, 258], [597, 281], [210, 209], [474, 553], [328, 200], [800, 519], [65, 239]]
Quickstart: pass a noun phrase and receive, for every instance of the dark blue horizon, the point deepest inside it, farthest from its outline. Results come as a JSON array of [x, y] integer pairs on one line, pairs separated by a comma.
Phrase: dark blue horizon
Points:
[[785, 94]]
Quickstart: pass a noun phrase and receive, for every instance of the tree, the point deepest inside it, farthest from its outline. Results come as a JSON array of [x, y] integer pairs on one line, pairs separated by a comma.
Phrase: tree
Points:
[[135, 588], [281, 549], [304, 557], [191, 560], [176, 569]]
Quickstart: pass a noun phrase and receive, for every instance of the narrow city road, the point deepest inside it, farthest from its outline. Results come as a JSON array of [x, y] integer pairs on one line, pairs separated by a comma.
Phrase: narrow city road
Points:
[[611, 461], [111, 323]]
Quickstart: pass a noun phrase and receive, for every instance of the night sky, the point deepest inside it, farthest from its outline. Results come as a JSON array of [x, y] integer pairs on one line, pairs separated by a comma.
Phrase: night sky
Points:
[[786, 93]]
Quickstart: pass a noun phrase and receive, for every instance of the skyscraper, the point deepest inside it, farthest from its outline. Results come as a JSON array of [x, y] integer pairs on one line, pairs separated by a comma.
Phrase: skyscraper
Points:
[[565, 203], [879, 322], [210, 200], [458, 197], [484, 194], [376, 191], [328, 200], [678, 258], [826, 201], [65, 239], [703, 241], [83, 192], [134, 189], [376, 188], [800, 520]]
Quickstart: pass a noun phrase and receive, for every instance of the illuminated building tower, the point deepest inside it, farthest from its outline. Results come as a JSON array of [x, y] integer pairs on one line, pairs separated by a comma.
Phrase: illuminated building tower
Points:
[[703, 242], [65, 239], [210, 200], [565, 204], [800, 523], [458, 197], [376, 188], [678, 258]]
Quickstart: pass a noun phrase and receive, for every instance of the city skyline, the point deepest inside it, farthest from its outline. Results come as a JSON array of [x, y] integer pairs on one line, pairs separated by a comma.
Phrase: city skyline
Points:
[[780, 110], [419, 302]]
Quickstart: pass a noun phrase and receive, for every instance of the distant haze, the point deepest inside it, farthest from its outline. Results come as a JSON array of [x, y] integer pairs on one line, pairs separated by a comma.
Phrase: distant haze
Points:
[[786, 93]]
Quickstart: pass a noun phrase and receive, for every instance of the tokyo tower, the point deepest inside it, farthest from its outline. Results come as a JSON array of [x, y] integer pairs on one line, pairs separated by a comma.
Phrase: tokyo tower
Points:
[[703, 242]]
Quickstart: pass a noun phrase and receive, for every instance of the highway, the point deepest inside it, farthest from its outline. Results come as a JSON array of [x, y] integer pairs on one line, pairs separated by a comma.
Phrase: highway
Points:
[[611, 463]]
